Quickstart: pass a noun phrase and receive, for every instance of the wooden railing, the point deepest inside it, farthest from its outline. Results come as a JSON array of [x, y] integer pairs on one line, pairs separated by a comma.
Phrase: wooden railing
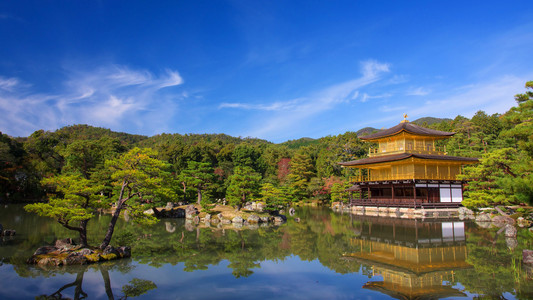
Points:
[[401, 202], [407, 176], [396, 150]]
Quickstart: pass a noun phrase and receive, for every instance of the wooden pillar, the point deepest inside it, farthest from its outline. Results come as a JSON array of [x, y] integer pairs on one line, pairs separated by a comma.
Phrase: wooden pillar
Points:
[[414, 192], [392, 189], [427, 193]]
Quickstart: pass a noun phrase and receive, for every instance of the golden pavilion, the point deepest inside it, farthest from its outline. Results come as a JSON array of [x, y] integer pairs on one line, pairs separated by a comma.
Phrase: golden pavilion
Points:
[[408, 169]]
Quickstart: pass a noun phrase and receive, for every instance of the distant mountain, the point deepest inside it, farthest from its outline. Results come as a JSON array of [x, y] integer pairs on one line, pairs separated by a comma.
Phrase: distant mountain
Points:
[[301, 142], [87, 132], [430, 120], [366, 131], [425, 121], [195, 138]]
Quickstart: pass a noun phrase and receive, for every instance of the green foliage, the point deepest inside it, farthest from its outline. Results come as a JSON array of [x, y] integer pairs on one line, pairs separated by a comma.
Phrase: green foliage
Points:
[[199, 176], [248, 156], [275, 198], [338, 191], [244, 183], [301, 142], [142, 181], [74, 203], [301, 172], [85, 156], [141, 178], [498, 179], [335, 149], [137, 287]]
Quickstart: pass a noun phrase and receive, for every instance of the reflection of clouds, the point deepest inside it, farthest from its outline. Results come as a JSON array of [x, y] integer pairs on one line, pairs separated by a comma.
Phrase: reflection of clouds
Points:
[[288, 278]]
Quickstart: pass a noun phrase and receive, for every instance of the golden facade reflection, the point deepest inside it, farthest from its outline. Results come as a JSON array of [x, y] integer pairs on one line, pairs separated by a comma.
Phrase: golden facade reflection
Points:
[[415, 259]]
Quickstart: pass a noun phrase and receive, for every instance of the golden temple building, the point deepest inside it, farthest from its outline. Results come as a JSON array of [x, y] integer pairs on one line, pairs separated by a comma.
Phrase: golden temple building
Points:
[[408, 169]]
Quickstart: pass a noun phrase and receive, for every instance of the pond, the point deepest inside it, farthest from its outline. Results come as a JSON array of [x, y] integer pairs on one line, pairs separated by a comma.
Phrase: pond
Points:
[[326, 255]]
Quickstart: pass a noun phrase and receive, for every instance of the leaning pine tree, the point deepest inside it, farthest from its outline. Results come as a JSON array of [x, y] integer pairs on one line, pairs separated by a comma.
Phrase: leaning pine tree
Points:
[[141, 182]]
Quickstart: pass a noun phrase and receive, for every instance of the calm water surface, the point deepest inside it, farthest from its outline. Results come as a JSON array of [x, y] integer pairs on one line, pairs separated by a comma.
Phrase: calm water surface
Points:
[[324, 256]]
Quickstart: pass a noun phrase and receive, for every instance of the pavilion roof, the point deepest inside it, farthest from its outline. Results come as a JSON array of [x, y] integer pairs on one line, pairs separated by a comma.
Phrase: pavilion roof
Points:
[[402, 156], [407, 127]]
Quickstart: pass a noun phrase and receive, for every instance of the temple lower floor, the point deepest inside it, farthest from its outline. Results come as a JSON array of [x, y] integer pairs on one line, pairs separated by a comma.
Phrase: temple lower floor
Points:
[[407, 193]]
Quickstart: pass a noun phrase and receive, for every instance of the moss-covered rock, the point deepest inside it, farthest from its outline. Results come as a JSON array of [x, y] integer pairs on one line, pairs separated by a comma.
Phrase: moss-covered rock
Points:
[[52, 256]]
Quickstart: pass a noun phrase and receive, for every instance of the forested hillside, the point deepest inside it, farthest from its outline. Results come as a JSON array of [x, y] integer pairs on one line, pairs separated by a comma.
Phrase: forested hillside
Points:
[[241, 169]]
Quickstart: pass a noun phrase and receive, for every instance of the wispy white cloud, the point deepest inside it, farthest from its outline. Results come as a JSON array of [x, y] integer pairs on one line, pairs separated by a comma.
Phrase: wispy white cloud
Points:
[[397, 79], [8, 84], [288, 114], [373, 68], [366, 96], [419, 91], [276, 106], [388, 108], [492, 96], [111, 96]]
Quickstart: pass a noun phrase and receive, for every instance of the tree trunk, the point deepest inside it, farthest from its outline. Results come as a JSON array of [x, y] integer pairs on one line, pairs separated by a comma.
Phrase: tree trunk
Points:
[[114, 218], [199, 196], [111, 227], [83, 233], [107, 282], [157, 213], [184, 191]]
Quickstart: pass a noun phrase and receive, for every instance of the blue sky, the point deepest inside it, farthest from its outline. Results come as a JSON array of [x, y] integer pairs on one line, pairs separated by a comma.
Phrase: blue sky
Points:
[[275, 70]]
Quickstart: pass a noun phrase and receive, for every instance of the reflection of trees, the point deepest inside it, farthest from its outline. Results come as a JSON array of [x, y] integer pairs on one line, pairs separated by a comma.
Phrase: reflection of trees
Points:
[[321, 234], [135, 287], [78, 291], [39, 231], [496, 268]]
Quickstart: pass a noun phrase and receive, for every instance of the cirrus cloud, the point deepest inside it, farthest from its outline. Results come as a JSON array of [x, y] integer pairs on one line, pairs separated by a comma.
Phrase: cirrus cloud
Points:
[[113, 96]]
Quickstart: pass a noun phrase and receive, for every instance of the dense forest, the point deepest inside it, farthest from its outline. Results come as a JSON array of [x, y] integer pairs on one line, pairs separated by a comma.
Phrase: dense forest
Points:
[[207, 168]]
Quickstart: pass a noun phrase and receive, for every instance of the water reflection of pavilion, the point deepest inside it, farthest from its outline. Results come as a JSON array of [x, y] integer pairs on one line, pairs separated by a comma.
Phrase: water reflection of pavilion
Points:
[[415, 258]]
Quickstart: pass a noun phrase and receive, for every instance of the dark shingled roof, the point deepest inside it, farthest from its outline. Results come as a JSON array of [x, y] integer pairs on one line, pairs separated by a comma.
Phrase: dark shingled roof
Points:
[[402, 156], [408, 127]]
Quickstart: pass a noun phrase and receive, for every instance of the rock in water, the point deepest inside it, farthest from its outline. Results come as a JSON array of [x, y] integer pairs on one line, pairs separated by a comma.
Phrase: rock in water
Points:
[[75, 258], [64, 243], [44, 250], [483, 218], [237, 219], [86, 251], [190, 211], [9, 232], [124, 251], [253, 219], [110, 250], [510, 231], [527, 257]]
